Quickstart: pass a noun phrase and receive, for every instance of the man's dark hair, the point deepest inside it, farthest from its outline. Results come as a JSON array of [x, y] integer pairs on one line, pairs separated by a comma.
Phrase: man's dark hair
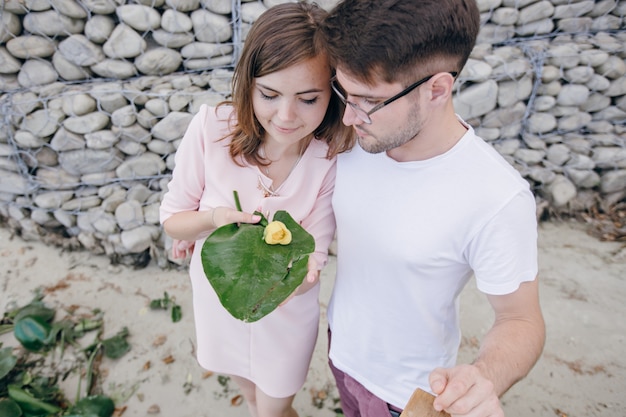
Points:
[[401, 40]]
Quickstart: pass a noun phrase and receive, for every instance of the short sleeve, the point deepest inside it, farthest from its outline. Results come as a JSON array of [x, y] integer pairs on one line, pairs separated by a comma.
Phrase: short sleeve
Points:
[[504, 253]]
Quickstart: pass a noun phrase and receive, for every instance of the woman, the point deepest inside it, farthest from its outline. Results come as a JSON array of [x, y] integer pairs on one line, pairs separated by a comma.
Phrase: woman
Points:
[[275, 144]]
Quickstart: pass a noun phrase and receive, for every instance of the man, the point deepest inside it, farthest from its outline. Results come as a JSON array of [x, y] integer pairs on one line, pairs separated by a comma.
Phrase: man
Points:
[[422, 205]]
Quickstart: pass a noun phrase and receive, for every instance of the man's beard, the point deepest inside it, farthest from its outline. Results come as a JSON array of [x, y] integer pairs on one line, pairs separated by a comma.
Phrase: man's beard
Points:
[[374, 144]]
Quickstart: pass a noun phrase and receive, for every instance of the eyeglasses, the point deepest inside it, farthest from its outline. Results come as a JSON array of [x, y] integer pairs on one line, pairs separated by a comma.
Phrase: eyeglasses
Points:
[[364, 115]]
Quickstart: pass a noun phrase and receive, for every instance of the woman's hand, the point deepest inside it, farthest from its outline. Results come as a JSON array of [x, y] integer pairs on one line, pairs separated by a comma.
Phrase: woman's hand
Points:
[[181, 249], [221, 216], [193, 225]]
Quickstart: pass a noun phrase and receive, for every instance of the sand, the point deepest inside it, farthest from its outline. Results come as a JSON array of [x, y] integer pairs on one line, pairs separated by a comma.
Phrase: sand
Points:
[[582, 372]]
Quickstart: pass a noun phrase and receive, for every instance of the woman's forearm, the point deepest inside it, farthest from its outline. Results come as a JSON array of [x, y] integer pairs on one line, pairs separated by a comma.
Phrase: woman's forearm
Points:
[[190, 225]]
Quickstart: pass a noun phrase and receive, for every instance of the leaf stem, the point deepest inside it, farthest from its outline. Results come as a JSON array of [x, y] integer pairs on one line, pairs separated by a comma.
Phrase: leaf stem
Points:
[[237, 202], [90, 364]]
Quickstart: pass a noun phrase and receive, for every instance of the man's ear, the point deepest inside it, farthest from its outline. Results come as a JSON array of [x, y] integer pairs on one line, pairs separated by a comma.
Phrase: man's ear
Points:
[[441, 86]]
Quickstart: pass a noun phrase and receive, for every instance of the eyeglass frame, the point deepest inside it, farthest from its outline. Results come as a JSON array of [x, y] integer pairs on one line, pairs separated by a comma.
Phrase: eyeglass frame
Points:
[[360, 112]]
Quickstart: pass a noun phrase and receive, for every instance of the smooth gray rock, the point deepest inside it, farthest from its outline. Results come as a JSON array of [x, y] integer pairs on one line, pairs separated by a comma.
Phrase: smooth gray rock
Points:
[[183, 5], [114, 68], [158, 61], [510, 92], [13, 183], [43, 123], [130, 147], [109, 96], [67, 70], [106, 224], [210, 27], [31, 46], [124, 116], [204, 50], [583, 178], [99, 28], [541, 122], [10, 26], [576, 9], [129, 215], [69, 8], [564, 55], [145, 165], [52, 23], [158, 107], [63, 140], [35, 72], [573, 122], [139, 17], [575, 25], [8, 63], [80, 51], [103, 7], [175, 21], [52, 199], [172, 126], [561, 191], [81, 203], [477, 100], [572, 95], [613, 181], [534, 12], [124, 42], [135, 132], [78, 104], [27, 140], [609, 157], [90, 161], [172, 40], [138, 239], [217, 6], [101, 139], [87, 123]]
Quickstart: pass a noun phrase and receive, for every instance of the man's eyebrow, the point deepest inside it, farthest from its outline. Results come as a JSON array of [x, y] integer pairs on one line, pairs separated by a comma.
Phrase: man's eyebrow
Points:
[[312, 90]]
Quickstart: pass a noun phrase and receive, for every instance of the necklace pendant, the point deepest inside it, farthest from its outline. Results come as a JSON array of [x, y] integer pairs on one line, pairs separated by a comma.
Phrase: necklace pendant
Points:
[[267, 191]]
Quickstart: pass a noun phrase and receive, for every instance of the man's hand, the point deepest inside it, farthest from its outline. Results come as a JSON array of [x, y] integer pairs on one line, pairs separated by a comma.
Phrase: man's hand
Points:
[[464, 391], [310, 280]]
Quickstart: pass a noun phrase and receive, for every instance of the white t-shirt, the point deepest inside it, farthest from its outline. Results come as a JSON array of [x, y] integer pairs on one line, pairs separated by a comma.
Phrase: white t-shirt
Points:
[[410, 235]]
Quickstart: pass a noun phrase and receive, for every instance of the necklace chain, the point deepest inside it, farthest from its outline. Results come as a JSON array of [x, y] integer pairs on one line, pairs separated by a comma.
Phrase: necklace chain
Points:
[[271, 191]]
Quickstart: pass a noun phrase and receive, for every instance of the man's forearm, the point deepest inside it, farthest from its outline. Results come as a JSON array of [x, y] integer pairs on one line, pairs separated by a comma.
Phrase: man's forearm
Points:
[[512, 347]]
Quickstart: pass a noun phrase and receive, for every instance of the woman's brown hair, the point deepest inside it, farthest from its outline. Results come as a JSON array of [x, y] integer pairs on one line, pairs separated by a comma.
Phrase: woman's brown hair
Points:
[[282, 36]]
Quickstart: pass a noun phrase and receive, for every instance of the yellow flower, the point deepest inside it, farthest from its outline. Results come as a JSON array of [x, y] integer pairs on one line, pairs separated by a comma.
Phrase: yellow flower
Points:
[[276, 232]]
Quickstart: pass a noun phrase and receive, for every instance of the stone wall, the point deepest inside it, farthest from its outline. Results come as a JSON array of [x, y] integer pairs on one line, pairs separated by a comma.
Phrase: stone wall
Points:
[[96, 95]]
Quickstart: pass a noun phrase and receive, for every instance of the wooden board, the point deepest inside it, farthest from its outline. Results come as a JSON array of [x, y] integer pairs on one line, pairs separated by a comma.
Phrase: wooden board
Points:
[[421, 405]]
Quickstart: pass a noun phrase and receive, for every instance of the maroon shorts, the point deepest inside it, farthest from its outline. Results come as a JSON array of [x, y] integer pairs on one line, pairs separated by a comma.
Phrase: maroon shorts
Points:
[[356, 400]]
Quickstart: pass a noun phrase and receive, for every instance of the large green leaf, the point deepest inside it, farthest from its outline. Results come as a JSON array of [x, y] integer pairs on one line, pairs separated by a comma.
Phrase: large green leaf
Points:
[[250, 277], [29, 404], [7, 362], [93, 406], [32, 332], [9, 408]]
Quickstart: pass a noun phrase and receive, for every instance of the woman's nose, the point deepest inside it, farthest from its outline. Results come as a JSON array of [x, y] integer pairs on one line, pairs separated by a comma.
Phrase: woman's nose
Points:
[[287, 110]]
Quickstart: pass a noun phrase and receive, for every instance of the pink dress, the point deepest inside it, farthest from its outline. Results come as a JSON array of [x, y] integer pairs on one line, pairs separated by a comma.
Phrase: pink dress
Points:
[[274, 352]]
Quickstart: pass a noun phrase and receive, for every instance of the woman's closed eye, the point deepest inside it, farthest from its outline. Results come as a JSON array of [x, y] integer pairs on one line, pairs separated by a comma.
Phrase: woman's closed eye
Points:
[[267, 96], [270, 97], [310, 101]]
